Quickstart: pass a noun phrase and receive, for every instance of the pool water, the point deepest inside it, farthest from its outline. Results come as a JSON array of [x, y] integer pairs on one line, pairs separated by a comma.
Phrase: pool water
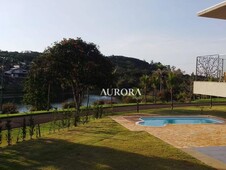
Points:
[[163, 121]]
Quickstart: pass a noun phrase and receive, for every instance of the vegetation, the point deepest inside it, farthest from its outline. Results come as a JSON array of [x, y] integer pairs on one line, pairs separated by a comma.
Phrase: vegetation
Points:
[[8, 59], [129, 70], [103, 137], [144, 84], [166, 85], [75, 64], [9, 108], [77, 67], [106, 144]]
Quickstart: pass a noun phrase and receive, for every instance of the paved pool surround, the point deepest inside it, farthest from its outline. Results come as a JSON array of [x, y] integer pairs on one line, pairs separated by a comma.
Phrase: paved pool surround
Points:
[[180, 136], [187, 137]]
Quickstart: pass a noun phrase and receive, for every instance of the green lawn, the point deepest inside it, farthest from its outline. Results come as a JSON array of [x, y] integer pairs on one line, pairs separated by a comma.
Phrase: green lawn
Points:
[[219, 111], [201, 101], [100, 144]]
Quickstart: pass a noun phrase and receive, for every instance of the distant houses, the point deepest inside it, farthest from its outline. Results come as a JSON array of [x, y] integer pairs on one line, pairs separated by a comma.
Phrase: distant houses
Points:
[[16, 72]]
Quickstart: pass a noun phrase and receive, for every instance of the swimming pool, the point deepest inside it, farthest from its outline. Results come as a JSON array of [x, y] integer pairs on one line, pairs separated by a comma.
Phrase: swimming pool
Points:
[[163, 121]]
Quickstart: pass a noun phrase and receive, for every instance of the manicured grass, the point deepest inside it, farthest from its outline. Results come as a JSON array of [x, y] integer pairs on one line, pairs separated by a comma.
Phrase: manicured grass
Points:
[[219, 111], [217, 100], [100, 144], [214, 100]]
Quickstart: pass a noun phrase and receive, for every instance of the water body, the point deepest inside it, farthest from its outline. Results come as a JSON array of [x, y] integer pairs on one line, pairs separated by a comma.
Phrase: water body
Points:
[[163, 121], [58, 105]]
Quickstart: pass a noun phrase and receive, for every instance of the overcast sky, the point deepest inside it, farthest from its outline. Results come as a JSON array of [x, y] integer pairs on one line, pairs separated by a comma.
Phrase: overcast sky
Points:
[[166, 31]]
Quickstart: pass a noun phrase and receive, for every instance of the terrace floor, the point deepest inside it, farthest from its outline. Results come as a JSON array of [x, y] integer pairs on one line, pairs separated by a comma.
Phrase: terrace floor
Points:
[[204, 142]]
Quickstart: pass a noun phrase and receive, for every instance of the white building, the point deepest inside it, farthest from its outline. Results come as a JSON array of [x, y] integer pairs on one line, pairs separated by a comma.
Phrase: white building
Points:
[[205, 87]]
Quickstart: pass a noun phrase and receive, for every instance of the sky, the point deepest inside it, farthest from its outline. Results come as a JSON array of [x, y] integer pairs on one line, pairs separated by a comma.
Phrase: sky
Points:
[[166, 31]]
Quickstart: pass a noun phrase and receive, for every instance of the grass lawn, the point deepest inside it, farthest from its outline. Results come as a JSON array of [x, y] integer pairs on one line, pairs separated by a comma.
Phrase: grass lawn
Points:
[[219, 111], [100, 144]]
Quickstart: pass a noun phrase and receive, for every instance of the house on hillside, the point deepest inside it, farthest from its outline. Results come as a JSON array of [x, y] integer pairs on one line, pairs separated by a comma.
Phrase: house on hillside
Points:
[[207, 87], [16, 72]]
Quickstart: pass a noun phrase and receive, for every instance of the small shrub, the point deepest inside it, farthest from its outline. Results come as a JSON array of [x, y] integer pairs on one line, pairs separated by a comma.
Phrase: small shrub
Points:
[[24, 130], [9, 132], [110, 102], [102, 102], [9, 108], [129, 99], [98, 111], [182, 97], [99, 102], [68, 105], [31, 126]]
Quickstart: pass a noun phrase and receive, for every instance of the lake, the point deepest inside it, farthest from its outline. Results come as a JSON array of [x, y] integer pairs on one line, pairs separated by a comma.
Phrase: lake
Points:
[[58, 105]]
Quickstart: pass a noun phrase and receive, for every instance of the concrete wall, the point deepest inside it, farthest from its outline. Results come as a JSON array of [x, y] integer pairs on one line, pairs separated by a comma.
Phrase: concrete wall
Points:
[[210, 88]]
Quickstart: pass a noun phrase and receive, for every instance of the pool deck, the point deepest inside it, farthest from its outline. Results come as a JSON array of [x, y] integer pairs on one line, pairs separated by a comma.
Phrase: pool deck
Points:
[[206, 142]]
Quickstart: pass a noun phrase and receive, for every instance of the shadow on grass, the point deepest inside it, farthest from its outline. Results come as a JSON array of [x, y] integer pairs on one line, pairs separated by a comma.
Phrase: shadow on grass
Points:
[[61, 154]]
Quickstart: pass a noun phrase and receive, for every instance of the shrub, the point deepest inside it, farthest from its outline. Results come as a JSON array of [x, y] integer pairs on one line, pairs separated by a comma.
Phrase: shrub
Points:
[[102, 102], [110, 102], [182, 97], [9, 108], [129, 99], [68, 105], [99, 102]]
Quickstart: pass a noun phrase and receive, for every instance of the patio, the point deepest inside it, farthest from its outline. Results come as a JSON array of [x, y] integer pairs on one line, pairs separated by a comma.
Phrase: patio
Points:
[[195, 140]]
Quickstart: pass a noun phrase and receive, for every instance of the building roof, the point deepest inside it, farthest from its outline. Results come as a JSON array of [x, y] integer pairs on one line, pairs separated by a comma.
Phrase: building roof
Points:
[[13, 70], [217, 11]]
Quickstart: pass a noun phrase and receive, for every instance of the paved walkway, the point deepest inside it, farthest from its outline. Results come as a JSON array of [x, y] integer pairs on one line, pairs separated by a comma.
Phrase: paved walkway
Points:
[[204, 142], [217, 152]]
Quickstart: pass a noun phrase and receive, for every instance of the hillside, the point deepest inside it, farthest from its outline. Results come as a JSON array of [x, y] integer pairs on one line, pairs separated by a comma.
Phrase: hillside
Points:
[[129, 70]]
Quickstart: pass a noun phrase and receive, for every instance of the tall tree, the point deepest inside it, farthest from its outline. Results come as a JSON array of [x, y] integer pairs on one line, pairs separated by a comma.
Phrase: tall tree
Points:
[[144, 82], [36, 85], [171, 83], [154, 83], [80, 65], [159, 73]]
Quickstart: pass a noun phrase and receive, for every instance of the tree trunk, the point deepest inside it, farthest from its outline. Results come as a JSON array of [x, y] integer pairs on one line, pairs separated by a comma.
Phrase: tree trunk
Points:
[[48, 102], [211, 102], [145, 95], [160, 83], [87, 104], [171, 93], [76, 97], [155, 95]]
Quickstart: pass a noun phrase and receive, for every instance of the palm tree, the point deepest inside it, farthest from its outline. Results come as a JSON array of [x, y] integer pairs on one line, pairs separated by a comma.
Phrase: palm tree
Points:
[[144, 81], [171, 84], [154, 83], [159, 72]]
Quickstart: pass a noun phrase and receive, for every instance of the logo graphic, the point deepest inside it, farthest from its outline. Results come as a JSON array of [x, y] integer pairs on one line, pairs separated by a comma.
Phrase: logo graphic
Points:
[[120, 92]]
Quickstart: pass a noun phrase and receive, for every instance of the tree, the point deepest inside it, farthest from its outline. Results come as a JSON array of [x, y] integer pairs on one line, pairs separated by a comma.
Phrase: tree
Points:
[[154, 83], [159, 73], [171, 83], [144, 82], [79, 65], [38, 83], [36, 86]]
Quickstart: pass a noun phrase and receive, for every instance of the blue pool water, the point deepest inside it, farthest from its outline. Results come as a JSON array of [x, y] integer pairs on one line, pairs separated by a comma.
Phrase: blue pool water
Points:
[[162, 121]]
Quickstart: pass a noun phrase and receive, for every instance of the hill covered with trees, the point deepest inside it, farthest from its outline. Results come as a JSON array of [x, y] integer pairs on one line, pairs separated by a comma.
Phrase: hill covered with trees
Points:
[[152, 78], [128, 70]]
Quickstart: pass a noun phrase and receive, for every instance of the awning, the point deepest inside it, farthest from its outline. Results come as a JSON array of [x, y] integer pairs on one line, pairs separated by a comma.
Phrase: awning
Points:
[[217, 11]]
